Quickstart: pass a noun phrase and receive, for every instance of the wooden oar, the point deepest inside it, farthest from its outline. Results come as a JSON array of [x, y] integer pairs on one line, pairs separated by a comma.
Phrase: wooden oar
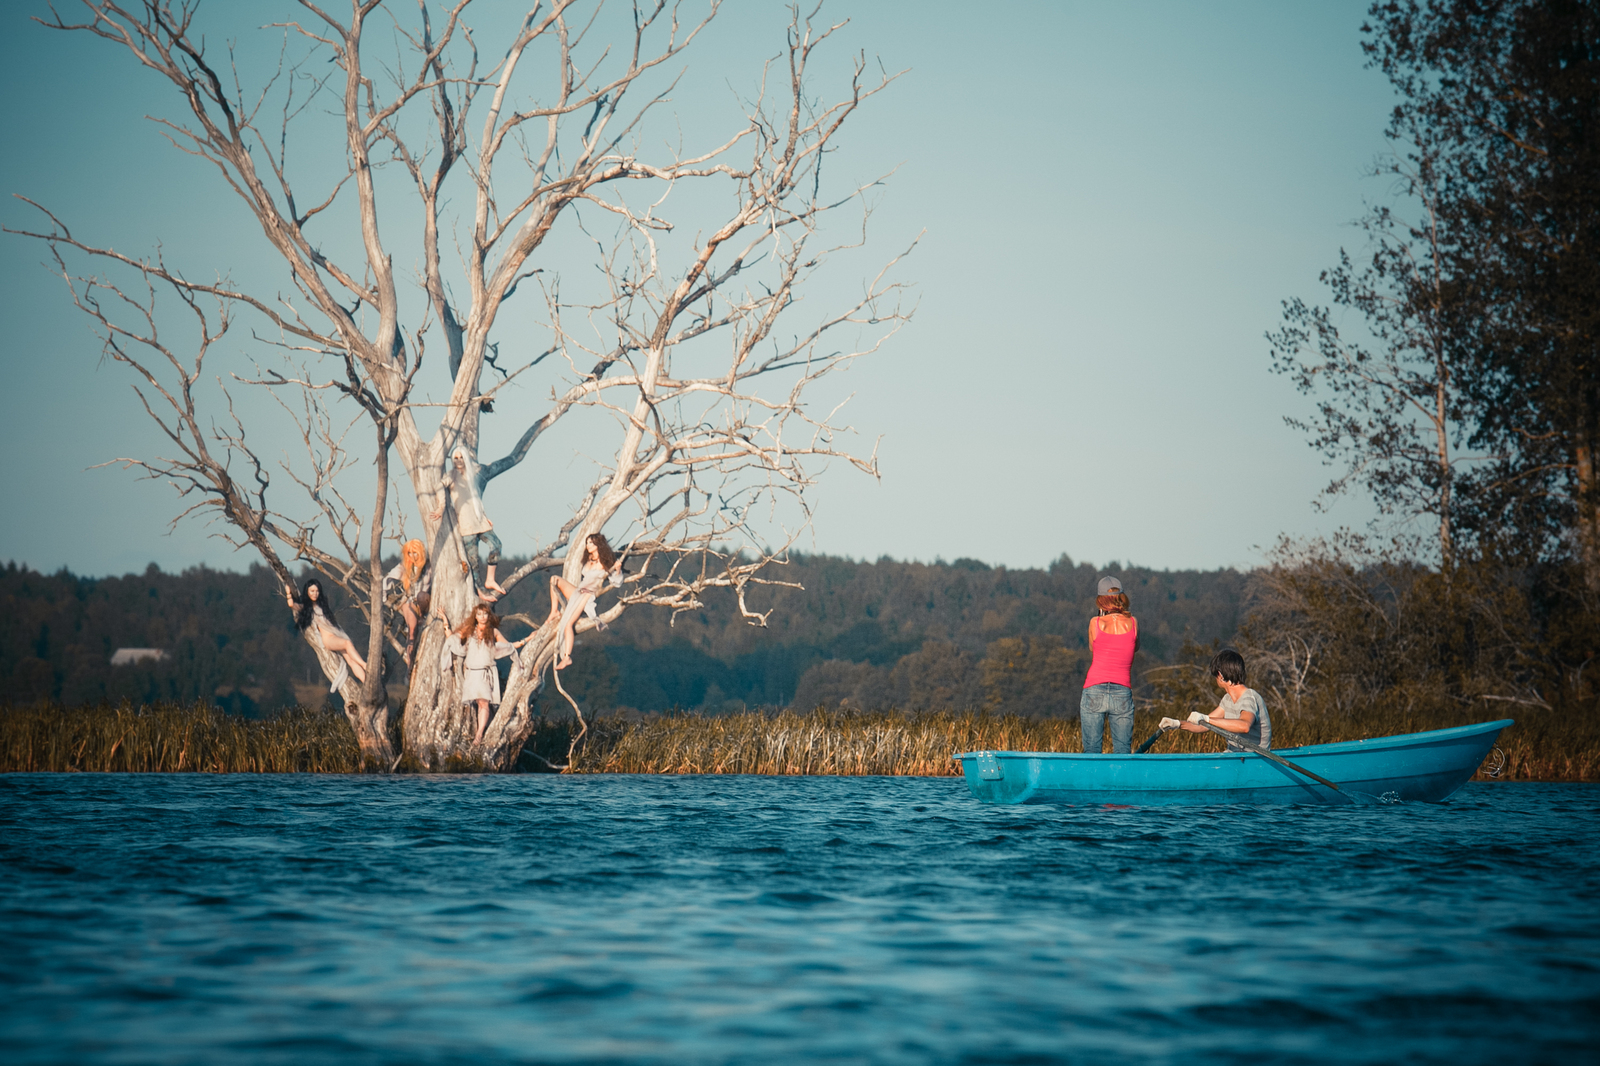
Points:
[[1264, 753]]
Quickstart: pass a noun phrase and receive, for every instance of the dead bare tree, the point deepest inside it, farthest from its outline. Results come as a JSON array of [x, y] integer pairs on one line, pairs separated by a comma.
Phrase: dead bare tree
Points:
[[680, 348], [1332, 629]]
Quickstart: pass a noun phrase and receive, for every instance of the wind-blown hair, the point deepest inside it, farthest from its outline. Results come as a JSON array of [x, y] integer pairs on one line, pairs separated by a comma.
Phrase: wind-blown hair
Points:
[[602, 547], [413, 556], [303, 614], [466, 629], [1116, 603]]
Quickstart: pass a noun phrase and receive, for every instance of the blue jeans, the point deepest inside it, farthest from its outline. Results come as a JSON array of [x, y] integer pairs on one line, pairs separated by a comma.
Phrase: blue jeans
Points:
[[488, 538], [1098, 702]]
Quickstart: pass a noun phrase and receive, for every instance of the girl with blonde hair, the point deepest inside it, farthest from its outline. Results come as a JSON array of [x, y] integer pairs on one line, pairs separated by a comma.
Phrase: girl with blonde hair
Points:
[[416, 588]]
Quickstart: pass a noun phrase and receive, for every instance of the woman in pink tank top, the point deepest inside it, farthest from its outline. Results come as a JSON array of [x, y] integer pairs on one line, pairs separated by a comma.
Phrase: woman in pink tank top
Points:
[[1108, 690]]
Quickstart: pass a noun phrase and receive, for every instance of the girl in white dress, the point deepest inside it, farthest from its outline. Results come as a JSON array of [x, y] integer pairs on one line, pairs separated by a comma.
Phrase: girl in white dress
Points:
[[479, 642], [600, 566], [313, 607], [458, 490]]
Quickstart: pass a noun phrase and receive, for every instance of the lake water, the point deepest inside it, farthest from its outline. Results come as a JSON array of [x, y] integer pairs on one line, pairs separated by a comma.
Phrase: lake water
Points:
[[305, 919]]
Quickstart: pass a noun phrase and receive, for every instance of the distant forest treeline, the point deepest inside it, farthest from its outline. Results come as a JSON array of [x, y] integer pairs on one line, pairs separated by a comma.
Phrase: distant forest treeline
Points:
[[864, 633]]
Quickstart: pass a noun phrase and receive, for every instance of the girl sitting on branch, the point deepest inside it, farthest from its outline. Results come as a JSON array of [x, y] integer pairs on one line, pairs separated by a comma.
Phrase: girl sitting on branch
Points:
[[312, 607], [600, 565], [416, 587]]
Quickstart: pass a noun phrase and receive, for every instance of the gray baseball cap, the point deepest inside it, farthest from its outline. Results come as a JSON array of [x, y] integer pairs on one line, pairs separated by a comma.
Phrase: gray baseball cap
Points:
[[1108, 585]]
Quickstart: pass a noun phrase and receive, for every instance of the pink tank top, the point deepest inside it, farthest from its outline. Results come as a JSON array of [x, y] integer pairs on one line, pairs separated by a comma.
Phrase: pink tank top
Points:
[[1113, 658]]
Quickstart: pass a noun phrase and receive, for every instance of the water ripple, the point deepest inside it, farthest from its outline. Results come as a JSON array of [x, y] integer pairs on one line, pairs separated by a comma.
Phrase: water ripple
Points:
[[255, 919]]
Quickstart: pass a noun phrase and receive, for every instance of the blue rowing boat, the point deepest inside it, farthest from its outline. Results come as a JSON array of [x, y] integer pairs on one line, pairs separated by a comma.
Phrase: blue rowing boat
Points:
[[1424, 767]]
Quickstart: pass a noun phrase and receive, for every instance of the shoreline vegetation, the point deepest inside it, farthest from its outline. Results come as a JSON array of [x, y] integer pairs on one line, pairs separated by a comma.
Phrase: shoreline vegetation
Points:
[[172, 738], [881, 634]]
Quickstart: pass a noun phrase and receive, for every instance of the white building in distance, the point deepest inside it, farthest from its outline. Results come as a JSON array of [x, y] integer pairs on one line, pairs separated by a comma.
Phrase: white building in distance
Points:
[[129, 656]]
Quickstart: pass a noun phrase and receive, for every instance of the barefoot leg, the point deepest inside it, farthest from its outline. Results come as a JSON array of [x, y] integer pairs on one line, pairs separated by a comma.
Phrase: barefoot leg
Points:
[[569, 623], [564, 644], [411, 630], [483, 721], [358, 665], [340, 646], [561, 593], [561, 590]]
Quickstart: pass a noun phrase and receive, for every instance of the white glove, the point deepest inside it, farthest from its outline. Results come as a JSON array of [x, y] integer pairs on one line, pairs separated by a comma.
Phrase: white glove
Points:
[[1197, 717], [1169, 723]]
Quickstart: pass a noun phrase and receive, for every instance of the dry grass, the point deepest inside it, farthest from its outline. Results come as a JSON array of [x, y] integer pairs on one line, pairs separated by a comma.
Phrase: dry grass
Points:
[[172, 738], [1545, 746], [1542, 746]]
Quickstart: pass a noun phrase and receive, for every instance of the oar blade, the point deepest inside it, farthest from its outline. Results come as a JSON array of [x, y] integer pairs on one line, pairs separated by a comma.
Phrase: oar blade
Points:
[[1353, 797], [1157, 735]]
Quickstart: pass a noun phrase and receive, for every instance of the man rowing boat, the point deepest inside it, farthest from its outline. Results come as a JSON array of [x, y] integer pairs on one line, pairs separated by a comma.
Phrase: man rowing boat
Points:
[[1242, 710]]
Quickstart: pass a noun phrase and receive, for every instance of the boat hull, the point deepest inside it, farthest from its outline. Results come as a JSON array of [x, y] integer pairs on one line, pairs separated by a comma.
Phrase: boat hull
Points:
[[1413, 767]]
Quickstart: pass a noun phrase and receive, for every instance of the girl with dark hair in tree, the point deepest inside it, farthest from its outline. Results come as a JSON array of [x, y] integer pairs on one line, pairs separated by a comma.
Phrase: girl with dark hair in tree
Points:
[[313, 607], [1108, 688], [600, 565]]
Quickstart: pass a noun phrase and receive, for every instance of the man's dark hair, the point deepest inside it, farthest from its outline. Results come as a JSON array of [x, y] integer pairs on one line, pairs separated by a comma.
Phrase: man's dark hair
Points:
[[1229, 664]]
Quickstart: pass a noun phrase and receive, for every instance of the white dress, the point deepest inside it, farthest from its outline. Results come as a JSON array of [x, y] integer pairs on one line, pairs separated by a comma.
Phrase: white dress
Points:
[[471, 519], [326, 629], [325, 626], [480, 680], [590, 584]]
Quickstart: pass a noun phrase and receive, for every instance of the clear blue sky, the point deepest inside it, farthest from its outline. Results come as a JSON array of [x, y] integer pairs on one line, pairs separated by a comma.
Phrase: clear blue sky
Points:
[[1116, 197]]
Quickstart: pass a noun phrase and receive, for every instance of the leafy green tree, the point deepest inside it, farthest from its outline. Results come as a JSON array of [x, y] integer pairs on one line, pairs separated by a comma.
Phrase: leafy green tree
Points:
[[1391, 412], [939, 675], [1034, 675], [837, 682], [1507, 96]]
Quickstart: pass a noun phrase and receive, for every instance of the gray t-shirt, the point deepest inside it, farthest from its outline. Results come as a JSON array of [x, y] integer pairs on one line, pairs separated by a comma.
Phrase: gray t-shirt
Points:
[[1260, 733]]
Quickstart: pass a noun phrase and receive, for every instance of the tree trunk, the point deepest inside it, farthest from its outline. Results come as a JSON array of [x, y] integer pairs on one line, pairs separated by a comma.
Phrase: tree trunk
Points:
[[1588, 506], [438, 729], [369, 721], [512, 723]]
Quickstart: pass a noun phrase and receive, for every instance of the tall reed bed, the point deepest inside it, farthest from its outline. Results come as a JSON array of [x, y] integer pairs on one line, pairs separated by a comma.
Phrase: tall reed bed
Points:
[[1542, 747], [169, 738]]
